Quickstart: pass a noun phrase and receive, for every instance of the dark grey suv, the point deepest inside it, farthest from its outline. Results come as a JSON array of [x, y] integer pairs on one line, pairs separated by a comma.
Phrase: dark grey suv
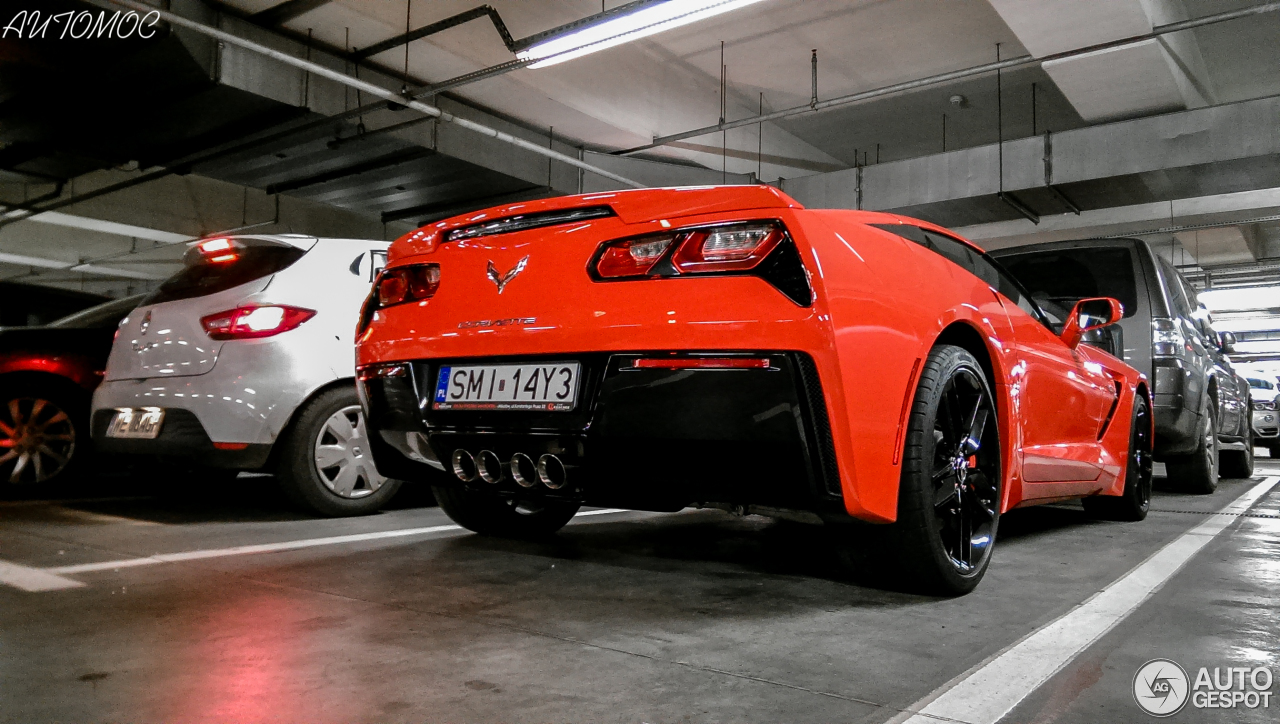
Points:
[[1201, 405]]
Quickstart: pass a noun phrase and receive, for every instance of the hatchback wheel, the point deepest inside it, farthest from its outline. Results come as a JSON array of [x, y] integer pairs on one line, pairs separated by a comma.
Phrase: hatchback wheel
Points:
[[42, 433], [326, 465]]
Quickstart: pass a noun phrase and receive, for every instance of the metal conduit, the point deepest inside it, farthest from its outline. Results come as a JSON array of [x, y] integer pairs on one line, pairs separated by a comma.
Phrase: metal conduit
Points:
[[950, 76]]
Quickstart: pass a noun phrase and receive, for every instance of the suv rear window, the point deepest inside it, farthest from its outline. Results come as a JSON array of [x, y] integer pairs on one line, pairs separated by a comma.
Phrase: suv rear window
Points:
[[1059, 279], [204, 274]]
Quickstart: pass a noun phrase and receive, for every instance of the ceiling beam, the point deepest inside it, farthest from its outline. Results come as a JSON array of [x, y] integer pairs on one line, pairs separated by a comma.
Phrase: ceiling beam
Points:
[[286, 11], [373, 164]]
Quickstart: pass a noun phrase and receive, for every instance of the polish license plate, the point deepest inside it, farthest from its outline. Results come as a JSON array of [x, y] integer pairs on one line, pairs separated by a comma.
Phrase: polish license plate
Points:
[[544, 387], [136, 422]]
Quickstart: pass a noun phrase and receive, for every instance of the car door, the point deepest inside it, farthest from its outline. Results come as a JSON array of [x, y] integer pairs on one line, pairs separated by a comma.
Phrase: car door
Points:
[[1063, 400]]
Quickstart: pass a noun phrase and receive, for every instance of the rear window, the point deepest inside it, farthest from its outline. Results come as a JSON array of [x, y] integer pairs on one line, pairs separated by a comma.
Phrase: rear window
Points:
[[1059, 279], [206, 273]]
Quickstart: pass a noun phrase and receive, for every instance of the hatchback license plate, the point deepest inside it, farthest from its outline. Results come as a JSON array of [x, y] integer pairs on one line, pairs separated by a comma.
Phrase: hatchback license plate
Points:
[[545, 387], [136, 422]]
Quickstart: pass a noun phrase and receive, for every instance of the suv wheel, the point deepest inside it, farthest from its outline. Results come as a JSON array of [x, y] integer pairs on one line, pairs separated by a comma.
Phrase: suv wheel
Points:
[[1198, 472], [1135, 501], [1239, 463], [325, 465]]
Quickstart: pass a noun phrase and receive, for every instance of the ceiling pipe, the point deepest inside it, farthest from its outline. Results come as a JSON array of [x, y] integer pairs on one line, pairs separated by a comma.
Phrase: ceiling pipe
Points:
[[376, 90], [950, 76]]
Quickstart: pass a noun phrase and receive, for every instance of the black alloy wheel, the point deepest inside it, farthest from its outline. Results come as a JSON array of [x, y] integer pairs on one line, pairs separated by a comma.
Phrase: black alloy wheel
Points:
[[1134, 503], [949, 496]]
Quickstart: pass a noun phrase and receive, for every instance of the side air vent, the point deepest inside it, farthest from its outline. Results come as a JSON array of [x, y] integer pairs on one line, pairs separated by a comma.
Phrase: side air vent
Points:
[[817, 404]]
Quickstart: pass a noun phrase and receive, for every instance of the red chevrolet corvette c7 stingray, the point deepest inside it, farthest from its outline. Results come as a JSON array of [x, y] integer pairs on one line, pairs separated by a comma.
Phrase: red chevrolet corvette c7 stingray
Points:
[[725, 346]]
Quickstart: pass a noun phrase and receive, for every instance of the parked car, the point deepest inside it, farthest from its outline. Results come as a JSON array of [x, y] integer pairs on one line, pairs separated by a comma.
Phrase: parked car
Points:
[[1266, 428], [662, 348], [1201, 407], [32, 305], [1238, 463], [243, 361], [46, 377]]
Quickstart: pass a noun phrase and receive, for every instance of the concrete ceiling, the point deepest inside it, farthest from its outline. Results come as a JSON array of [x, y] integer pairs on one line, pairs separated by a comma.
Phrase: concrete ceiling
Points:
[[669, 83], [623, 97]]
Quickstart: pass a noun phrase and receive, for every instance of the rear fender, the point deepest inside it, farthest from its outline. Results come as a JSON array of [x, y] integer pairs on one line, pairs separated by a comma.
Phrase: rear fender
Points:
[[76, 369]]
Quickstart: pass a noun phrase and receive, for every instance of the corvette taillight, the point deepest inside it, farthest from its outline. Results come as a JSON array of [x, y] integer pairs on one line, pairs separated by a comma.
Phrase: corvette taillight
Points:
[[632, 257], [728, 248], [254, 321], [755, 248], [408, 284]]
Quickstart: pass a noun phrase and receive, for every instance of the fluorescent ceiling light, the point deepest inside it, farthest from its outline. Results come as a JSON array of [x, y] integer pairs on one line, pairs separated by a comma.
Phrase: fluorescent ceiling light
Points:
[[1241, 298], [626, 28]]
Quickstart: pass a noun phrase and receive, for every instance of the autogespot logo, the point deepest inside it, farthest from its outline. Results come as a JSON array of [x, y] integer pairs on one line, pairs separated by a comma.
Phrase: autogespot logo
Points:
[[1160, 687]]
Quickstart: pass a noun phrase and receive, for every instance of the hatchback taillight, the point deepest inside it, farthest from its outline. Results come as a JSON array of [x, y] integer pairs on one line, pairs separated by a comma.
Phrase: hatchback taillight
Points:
[[254, 321], [408, 284]]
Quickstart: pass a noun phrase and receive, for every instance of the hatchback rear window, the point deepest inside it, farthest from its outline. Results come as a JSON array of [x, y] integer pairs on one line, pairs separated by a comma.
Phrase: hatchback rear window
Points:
[[206, 273], [1059, 279]]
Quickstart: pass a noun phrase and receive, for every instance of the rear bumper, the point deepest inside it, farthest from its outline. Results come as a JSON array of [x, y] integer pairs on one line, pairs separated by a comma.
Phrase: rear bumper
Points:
[[652, 439], [1177, 416], [181, 436]]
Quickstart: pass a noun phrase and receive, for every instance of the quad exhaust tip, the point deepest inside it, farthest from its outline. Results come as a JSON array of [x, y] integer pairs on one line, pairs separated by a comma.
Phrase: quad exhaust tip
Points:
[[464, 466], [551, 472], [490, 466], [523, 471]]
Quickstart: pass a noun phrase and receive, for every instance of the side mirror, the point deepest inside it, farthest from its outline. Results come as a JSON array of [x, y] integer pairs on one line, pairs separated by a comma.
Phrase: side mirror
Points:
[[1090, 314], [1227, 342]]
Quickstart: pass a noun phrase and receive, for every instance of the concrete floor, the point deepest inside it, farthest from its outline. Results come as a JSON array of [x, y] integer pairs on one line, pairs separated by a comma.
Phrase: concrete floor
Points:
[[628, 617]]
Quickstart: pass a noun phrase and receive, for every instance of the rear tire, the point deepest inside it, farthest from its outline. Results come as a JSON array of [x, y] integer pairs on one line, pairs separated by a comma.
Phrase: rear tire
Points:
[[488, 514], [949, 494], [325, 465], [1135, 501], [1198, 472], [44, 431], [1238, 463]]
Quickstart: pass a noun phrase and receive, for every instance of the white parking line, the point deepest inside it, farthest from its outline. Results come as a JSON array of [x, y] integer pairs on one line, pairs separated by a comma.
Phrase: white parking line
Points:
[[33, 579], [51, 579], [989, 691]]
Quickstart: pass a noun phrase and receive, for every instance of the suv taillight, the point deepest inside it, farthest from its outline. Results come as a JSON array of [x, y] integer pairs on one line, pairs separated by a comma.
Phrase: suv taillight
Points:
[[408, 284], [725, 249], [1166, 338], [254, 321]]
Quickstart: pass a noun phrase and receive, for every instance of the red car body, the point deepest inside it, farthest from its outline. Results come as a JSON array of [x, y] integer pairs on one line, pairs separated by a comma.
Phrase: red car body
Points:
[[878, 302]]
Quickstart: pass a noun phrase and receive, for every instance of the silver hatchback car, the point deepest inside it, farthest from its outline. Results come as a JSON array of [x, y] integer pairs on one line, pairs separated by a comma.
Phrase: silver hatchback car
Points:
[[243, 361]]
